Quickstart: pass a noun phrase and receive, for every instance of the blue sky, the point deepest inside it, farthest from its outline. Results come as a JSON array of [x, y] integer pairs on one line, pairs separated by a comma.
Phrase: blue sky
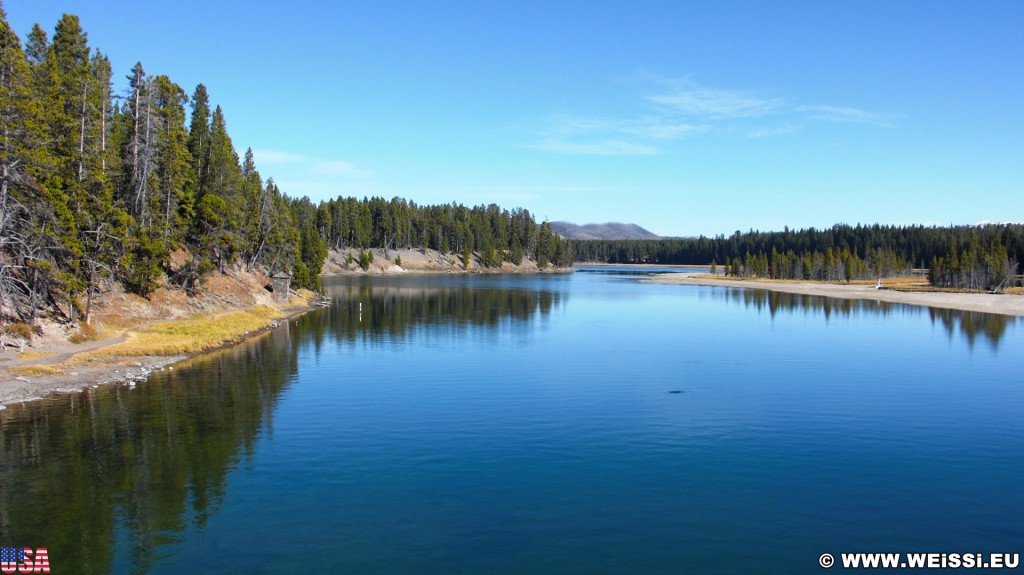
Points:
[[684, 117]]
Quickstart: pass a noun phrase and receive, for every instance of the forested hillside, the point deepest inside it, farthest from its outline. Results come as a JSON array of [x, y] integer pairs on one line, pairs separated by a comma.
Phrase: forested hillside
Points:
[[608, 231], [100, 186], [972, 257]]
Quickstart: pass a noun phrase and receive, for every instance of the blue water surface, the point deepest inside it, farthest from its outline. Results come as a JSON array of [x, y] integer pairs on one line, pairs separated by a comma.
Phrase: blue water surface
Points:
[[570, 423]]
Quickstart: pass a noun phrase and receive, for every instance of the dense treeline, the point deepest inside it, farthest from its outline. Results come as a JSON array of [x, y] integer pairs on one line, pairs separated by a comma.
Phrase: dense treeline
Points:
[[98, 188], [496, 234], [828, 266], [901, 246], [974, 267]]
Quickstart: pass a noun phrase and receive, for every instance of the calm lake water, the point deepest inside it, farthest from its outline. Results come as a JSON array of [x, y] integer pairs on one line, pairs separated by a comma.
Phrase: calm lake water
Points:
[[581, 423]]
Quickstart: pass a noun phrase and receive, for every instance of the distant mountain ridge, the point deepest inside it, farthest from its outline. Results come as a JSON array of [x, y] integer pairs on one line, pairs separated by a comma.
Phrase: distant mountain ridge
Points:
[[608, 231]]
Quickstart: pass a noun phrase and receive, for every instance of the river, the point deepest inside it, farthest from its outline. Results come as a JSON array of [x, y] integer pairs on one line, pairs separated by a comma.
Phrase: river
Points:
[[576, 423]]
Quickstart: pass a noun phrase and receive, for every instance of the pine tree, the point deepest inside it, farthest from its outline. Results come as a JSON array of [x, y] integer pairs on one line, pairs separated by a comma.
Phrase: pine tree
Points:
[[21, 140], [59, 74], [252, 192], [223, 175], [138, 156], [103, 116], [67, 60], [172, 204], [198, 139], [279, 238], [220, 207]]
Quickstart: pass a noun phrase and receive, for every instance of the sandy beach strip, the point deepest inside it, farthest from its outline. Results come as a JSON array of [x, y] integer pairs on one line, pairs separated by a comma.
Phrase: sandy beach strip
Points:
[[46, 370], [1005, 304]]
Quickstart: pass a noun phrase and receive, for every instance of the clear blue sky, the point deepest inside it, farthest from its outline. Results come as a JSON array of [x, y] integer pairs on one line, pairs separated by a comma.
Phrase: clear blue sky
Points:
[[684, 117]]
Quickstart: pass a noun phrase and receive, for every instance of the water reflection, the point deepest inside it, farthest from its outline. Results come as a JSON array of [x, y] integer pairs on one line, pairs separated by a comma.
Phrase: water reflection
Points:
[[108, 478], [82, 471], [971, 325], [638, 270], [382, 310], [112, 480]]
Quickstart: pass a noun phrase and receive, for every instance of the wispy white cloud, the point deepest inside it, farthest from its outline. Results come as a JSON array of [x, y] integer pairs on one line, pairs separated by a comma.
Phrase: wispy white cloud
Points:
[[678, 109], [318, 178], [338, 168], [845, 115], [596, 136], [711, 104], [658, 129], [310, 165]]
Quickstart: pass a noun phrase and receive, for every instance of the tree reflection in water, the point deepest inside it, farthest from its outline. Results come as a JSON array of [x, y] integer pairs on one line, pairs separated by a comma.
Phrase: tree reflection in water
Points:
[[971, 325]]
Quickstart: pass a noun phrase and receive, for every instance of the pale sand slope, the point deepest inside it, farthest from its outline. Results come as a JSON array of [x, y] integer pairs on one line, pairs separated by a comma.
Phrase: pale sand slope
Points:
[[1005, 304]]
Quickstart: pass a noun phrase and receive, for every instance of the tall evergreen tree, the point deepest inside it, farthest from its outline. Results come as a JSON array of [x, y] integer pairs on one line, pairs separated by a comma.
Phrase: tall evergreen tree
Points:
[[21, 135], [138, 156], [253, 204], [67, 59], [104, 115], [37, 230], [222, 174], [173, 203], [198, 139]]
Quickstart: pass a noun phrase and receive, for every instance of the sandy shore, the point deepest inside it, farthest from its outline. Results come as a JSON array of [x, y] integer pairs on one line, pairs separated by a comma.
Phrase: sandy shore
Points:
[[1005, 304], [40, 371]]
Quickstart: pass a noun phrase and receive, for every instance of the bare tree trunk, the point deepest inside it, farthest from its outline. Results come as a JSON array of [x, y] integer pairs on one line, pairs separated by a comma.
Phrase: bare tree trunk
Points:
[[167, 215], [81, 132], [135, 133], [89, 292], [103, 131]]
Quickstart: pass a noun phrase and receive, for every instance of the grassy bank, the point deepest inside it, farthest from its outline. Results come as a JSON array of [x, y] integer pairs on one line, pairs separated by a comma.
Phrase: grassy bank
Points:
[[190, 336], [170, 338]]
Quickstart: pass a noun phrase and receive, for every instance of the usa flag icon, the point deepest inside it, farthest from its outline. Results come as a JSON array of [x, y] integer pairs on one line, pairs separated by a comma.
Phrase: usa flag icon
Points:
[[24, 560], [12, 554]]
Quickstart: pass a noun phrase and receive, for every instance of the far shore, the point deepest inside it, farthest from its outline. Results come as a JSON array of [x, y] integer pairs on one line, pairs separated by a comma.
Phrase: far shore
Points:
[[1005, 304], [422, 261], [666, 266]]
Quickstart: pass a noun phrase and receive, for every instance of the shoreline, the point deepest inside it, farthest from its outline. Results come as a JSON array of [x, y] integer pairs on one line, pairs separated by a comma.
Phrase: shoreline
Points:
[[1003, 304], [50, 369], [72, 371]]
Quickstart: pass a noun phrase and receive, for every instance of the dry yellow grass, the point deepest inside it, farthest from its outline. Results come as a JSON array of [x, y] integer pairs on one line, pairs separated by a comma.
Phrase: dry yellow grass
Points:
[[37, 370], [190, 336], [303, 298], [31, 355]]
